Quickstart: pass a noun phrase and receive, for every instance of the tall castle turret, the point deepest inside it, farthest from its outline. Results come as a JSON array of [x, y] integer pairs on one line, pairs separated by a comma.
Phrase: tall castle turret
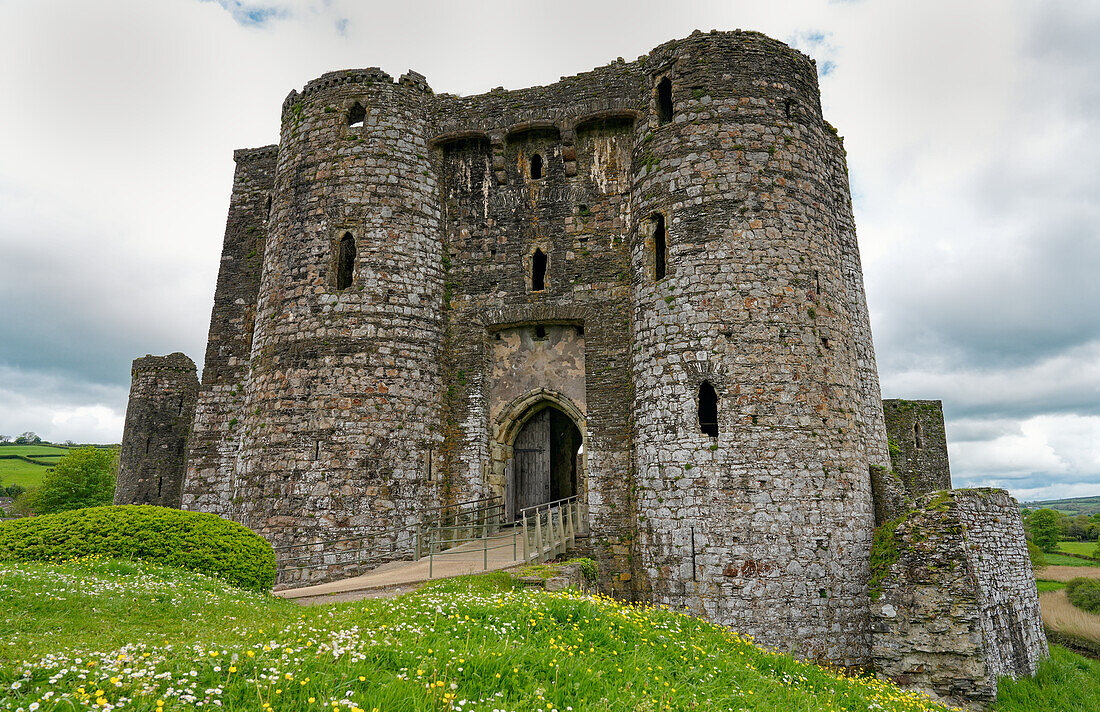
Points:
[[754, 497], [342, 404]]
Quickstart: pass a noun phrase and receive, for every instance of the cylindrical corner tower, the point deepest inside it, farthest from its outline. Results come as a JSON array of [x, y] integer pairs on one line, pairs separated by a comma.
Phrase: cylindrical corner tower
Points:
[[152, 460], [754, 500], [343, 399]]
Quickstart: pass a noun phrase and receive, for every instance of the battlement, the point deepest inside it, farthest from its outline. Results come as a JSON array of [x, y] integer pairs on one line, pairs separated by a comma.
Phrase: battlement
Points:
[[244, 155]]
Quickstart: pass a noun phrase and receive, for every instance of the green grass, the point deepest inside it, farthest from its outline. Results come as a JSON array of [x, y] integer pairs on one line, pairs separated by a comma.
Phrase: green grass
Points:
[[21, 472], [94, 632], [27, 474], [32, 450], [1049, 585], [1063, 560], [78, 635], [1088, 548], [1066, 682]]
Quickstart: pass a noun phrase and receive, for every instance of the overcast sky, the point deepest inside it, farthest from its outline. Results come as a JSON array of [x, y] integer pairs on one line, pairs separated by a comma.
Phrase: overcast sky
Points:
[[972, 133]]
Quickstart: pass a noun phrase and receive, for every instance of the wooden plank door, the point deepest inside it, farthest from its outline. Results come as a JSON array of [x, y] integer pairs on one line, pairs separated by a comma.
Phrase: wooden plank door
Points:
[[532, 462]]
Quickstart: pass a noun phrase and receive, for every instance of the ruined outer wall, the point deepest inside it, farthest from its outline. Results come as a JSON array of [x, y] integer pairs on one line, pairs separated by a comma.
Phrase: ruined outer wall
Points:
[[215, 431], [756, 302], [921, 462], [152, 460], [578, 214], [344, 396], [956, 603]]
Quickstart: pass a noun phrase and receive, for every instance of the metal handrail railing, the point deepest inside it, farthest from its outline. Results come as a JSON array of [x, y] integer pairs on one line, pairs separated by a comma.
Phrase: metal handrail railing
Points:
[[381, 545]]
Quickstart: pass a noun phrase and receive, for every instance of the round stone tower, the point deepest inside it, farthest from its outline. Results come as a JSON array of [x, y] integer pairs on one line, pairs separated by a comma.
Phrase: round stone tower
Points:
[[754, 499], [343, 397], [152, 460]]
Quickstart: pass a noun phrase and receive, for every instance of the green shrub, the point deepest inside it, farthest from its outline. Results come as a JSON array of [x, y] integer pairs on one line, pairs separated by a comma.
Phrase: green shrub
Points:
[[1085, 594], [1038, 559], [188, 540], [83, 478]]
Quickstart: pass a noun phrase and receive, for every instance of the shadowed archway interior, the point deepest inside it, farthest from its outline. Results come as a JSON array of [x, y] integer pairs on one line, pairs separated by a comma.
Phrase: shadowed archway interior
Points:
[[544, 459]]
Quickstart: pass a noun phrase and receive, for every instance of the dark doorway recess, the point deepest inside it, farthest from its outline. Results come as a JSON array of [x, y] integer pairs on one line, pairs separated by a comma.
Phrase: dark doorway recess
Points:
[[544, 460], [536, 167], [664, 100], [660, 247], [538, 271], [357, 115], [345, 262], [708, 409]]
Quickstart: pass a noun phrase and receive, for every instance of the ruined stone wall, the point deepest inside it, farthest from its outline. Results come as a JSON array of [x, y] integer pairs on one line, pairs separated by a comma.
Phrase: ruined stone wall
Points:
[[918, 444], [757, 301], [152, 461], [955, 604], [343, 403], [496, 213], [215, 432]]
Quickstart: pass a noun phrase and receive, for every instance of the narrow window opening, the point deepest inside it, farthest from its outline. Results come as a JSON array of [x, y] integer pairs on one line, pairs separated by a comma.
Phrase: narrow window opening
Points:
[[316, 449], [147, 446], [269, 206], [664, 100], [708, 409], [660, 247], [538, 271], [917, 436], [536, 167], [357, 116], [345, 267], [787, 108], [431, 476], [540, 332], [817, 281], [181, 406]]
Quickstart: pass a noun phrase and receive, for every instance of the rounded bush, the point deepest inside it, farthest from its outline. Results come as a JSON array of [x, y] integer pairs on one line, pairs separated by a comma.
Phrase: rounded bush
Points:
[[188, 540], [1085, 594]]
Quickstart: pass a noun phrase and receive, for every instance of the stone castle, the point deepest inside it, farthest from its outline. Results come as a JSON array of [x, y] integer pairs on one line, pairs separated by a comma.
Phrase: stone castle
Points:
[[639, 286]]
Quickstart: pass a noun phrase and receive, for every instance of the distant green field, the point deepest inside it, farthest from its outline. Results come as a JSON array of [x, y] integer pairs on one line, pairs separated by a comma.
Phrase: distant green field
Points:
[[1072, 507], [1063, 560], [1049, 585], [32, 450], [14, 471], [1088, 548]]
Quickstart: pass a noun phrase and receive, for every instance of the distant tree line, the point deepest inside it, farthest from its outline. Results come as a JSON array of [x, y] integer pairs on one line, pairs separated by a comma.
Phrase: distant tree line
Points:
[[1047, 527]]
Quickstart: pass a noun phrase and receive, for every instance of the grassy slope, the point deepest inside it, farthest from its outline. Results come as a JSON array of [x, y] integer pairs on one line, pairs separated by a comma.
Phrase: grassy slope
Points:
[[477, 640], [1078, 547], [32, 450], [1057, 559], [27, 474], [474, 644]]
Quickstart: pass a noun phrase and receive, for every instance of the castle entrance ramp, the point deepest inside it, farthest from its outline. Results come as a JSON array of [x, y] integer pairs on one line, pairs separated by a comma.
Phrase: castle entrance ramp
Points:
[[541, 533]]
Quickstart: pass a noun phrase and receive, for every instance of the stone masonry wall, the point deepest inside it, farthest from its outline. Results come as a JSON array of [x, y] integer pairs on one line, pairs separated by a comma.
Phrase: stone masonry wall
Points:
[[955, 604], [757, 302], [152, 461], [918, 444], [344, 399], [215, 433]]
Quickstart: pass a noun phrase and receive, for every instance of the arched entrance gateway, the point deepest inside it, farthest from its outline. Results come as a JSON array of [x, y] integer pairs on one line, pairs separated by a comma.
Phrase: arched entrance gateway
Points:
[[544, 450]]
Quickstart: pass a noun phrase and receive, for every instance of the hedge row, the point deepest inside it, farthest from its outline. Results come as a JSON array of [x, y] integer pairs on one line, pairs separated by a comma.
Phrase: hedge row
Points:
[[188, 540]]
